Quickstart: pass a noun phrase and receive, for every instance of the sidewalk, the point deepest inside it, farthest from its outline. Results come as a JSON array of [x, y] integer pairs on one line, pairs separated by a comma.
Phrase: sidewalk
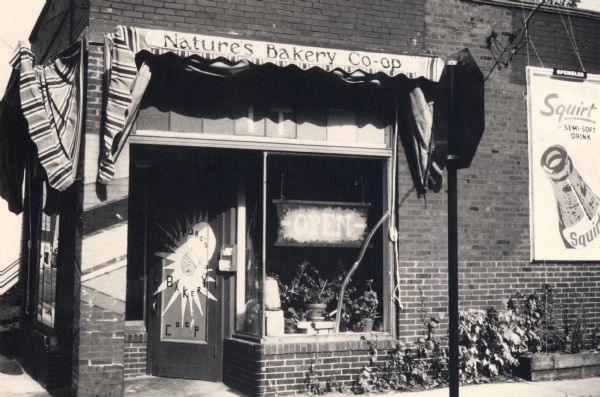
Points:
[[587, 387], [15, 382]]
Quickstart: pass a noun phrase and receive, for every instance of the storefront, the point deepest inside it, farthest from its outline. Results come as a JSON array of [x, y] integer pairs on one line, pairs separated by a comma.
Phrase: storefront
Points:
[[252, 187], [239, 182], [244, 145]]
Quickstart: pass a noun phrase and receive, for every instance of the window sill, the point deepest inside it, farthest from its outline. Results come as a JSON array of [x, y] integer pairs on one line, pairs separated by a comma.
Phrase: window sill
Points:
[[300, 344], [342, 336], [358, 337]]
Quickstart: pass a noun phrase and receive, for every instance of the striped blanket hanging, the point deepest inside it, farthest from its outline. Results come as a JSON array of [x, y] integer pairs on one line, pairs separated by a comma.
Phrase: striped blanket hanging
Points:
[[51, 103], [119, 61]]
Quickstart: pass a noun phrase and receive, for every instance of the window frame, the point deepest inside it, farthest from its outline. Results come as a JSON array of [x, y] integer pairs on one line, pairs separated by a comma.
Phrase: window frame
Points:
[[41, 273], [269, 145], [387, 266]]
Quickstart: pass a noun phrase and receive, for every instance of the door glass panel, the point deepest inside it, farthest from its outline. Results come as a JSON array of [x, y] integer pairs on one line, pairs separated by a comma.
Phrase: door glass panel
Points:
[[46, 288], [187, 278]]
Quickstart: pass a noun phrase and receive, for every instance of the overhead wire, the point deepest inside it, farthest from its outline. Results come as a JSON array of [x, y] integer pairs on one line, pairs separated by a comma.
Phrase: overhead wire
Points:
[[571, 36], [529, 38], [6, 43], [526, 33], [575, 42], [516, 41]]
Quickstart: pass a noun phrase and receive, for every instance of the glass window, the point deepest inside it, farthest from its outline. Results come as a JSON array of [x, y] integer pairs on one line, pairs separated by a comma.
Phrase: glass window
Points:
[[46, 281], [319, 210], [250, 257]]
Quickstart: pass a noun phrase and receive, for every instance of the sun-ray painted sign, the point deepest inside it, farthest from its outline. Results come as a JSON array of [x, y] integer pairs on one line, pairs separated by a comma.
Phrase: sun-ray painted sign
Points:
[[319, 223], [186, 275]]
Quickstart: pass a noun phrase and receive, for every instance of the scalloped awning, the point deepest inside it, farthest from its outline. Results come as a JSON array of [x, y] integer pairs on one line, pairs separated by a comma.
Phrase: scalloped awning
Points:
[[233, 56]]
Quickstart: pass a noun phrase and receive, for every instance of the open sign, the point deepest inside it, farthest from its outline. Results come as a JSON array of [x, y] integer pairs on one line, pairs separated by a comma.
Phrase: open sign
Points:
[[320, 223]]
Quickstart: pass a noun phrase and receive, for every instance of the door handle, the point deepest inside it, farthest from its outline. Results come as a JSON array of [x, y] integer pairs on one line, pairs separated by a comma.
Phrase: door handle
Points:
[[154, 307]]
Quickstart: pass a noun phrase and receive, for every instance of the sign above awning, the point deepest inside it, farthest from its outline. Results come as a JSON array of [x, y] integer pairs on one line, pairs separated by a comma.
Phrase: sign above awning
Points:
[[281, 54]]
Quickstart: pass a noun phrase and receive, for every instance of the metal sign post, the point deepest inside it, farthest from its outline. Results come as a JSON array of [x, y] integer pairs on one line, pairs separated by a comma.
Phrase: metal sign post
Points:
[[459, 123], [451, 166], [452, 279]]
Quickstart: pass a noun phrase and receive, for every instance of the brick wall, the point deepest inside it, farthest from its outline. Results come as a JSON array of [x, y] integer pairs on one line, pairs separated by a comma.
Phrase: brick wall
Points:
[[136, 341], [388, 24], [278, 368], [99, 345], [493, 194], [48, 354], [59, 25], [48, 362]]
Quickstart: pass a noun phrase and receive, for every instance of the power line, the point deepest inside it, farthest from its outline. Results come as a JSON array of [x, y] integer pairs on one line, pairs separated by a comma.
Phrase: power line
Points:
[[571, 37], [8, 45]]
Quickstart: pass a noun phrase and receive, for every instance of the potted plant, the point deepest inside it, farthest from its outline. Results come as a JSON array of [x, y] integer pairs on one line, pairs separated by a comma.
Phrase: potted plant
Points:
[[308, 290], [363, 308]]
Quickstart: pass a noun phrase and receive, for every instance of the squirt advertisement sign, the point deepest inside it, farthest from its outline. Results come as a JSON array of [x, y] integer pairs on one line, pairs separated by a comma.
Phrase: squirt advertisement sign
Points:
[[564, 164]]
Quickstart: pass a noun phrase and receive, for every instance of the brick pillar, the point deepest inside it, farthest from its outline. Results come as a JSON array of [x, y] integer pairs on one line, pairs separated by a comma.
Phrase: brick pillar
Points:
[[99, 315]]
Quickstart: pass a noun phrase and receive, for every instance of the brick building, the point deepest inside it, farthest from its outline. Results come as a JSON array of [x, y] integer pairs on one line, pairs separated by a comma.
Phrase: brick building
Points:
[[210, 158]]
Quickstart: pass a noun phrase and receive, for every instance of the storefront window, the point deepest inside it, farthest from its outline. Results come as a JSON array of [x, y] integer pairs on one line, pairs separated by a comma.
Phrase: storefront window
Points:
[[320, 208], [250, 273], [46, 284], [309, 142]]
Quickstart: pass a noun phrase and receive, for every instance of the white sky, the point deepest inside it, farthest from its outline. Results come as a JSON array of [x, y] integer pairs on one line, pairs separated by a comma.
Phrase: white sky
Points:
[[17, 18], [590, 4]]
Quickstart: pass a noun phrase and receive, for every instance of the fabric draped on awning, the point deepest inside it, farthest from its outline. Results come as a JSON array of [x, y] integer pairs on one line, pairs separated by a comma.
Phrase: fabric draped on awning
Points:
[[130, 63], [13, 146], [51, 103], [49, 99]]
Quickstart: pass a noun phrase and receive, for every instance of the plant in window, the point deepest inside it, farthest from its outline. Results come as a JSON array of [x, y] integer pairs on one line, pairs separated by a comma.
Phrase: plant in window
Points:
[[363, 309], [308, 290]]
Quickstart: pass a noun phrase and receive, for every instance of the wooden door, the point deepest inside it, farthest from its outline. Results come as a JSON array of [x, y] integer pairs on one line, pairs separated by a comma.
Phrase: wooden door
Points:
[[185, 292]]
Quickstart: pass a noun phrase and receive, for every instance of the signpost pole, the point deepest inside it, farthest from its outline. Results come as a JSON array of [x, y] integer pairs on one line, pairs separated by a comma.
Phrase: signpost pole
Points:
[[452, 278], [458, 126], [451, 166]]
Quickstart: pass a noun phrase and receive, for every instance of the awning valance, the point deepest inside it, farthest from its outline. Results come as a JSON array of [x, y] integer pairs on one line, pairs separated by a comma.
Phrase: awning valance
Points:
[[131, 53]]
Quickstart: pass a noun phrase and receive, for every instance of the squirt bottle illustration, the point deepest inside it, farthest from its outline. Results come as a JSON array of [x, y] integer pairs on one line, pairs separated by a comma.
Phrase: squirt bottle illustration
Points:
[[576, 203]]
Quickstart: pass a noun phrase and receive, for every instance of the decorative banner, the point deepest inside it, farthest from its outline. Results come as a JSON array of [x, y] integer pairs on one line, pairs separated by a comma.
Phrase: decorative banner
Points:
[[564, 166], [305, 57], [320, 223], [185, 278]]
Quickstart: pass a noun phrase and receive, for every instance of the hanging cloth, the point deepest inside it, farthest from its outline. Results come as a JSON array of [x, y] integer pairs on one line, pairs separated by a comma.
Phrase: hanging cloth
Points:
[[121, 105], [51, 102], [416, 123], [13, 149]]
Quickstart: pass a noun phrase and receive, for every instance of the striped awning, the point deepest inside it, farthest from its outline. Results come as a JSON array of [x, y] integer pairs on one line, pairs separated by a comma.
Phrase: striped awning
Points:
[[51, 103]]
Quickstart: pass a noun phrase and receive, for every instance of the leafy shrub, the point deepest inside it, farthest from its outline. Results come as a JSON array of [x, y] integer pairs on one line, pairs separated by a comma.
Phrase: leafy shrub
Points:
[[550, 327], [422, 367], [490, 343]]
